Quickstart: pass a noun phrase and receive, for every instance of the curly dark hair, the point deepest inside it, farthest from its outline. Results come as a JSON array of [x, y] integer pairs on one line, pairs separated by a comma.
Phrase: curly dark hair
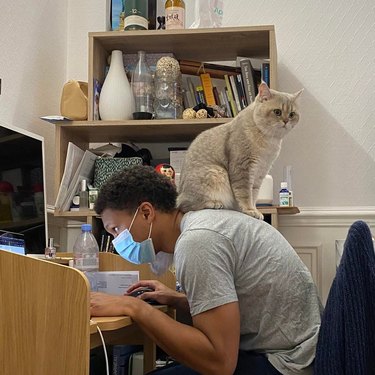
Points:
[[127, 189]]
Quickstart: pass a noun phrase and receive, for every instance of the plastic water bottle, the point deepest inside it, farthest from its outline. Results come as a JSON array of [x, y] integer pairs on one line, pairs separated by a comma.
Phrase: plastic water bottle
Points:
[[86, 254], [284, 195]]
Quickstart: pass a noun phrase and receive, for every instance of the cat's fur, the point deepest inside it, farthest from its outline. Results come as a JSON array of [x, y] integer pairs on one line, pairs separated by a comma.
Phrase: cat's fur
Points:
[[225, 165]]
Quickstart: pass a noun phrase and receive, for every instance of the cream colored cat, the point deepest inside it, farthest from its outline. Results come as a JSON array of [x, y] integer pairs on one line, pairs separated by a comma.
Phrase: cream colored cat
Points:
[[225, 166]]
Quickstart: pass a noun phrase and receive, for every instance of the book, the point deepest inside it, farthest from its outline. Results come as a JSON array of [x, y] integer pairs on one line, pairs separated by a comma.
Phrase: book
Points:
[[229, 92], [208, 89], [232, 80], [249, 82], [191, 89], [200, 94], [265, 72], [225, 101], [241, 91]]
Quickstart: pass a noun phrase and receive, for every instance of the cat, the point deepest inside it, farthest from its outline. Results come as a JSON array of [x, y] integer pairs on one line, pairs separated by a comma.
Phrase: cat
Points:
[[224, 166]]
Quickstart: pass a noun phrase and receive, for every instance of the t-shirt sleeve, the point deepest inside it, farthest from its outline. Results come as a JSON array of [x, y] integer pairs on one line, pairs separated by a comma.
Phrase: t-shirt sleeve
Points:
[[205, 263]]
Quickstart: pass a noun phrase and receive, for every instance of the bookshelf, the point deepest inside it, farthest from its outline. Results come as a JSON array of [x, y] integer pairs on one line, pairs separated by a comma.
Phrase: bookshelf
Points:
[[222, 44]]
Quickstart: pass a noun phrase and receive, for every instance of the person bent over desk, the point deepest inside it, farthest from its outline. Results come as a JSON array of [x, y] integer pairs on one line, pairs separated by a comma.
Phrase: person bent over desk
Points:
[[254, 306]]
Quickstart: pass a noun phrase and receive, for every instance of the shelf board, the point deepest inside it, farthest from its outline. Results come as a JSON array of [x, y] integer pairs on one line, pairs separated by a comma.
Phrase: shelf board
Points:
[[192, 44], [278, 209], [138, 131]]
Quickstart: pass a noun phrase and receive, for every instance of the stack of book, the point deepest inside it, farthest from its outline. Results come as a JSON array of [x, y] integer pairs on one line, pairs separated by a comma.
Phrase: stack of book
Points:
[[230, 87]]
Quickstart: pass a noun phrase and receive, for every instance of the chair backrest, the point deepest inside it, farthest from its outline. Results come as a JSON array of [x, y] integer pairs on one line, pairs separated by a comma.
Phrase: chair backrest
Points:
[[44, 317], [113, 262], [346, 342]]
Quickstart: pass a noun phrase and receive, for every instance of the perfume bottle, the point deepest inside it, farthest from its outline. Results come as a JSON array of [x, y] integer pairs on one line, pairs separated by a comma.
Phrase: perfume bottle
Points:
[[50, 250]]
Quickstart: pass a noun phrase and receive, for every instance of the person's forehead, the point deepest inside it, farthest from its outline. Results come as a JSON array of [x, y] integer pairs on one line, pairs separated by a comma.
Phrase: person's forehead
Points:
[[110, 215]]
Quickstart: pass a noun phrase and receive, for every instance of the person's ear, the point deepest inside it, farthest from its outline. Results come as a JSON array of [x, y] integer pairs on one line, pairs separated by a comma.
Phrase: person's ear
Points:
[[147, 211]]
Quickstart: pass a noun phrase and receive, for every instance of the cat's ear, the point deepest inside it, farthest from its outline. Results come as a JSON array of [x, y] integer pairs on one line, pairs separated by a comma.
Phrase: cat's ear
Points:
[[297, 94], [264, 92]]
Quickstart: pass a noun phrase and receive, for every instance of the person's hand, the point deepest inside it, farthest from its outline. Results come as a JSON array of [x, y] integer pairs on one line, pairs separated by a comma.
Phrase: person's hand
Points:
[[161, 293], [103, 304]]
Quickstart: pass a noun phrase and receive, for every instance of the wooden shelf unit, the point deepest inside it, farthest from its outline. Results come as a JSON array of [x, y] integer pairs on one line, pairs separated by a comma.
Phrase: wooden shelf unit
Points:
[[222, 44]]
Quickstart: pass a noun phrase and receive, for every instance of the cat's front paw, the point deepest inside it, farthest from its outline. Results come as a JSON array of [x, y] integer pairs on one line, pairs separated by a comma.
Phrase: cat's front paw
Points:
[[254, 213]]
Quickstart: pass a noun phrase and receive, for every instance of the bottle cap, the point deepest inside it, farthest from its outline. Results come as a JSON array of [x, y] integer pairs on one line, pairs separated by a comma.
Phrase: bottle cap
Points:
[[86, 227], [83, 185], [50, 242], [284, 185]]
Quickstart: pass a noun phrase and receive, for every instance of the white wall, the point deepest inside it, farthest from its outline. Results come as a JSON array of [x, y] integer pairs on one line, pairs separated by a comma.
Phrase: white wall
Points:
[[32, 68]]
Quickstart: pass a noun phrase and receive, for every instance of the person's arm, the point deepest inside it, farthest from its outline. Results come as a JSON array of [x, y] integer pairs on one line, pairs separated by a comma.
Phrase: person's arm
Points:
[[209, 347], [162, 294]]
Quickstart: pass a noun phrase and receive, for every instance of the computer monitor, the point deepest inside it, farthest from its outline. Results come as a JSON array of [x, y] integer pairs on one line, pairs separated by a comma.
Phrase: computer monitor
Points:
[[22, 183]]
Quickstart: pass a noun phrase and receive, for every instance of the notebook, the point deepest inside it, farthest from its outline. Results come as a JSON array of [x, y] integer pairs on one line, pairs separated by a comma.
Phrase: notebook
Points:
[[14, 242]]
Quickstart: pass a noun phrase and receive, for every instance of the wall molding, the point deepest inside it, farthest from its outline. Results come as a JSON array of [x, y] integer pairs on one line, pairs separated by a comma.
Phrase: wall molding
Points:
[[328, 217]]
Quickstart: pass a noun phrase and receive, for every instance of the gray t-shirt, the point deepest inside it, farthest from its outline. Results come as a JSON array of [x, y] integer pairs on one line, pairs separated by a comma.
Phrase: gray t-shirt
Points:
[[225, 256]]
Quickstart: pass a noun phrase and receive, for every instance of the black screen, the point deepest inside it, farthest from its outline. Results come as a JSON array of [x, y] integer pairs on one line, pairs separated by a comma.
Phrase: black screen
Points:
[[22, 203]]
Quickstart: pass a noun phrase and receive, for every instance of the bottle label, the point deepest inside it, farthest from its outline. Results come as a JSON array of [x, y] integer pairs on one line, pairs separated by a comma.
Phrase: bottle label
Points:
[[284, 199], [86, 262], [174, 18], [136, 22]]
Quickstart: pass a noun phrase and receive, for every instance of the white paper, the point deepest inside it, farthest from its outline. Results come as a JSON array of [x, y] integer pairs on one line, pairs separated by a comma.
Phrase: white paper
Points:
[[55, 118], [116, 282], [85, 171], [73, 158]]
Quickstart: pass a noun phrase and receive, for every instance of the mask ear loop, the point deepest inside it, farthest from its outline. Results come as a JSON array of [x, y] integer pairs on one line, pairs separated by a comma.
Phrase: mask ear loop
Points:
[[149, 233], [135, 215]]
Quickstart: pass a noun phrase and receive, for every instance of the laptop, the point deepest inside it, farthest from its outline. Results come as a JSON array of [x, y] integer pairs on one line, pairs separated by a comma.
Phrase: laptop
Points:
[[14, 242]]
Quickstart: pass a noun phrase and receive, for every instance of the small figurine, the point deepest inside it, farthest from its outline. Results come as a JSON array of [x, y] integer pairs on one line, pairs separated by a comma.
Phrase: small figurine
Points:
[[167, 170]]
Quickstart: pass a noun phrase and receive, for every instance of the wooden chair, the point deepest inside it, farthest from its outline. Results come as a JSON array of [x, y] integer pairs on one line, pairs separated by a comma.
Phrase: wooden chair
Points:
[[44, 318]]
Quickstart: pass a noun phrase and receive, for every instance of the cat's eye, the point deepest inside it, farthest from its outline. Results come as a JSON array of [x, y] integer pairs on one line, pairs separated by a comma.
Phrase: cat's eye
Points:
[[277, 112], [292, 114]]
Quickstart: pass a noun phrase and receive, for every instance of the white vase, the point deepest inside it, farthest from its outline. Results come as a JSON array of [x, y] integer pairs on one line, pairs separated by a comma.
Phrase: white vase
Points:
[[116, 100]]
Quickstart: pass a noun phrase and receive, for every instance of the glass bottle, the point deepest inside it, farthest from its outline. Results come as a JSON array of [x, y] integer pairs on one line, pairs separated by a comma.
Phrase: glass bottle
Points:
[[168, 95], [174, 14], [136, 15], [50, 250], [142, 86]]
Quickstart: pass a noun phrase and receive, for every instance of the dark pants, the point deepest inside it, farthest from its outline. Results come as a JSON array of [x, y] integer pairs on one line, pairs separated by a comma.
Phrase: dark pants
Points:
[[249, 363]]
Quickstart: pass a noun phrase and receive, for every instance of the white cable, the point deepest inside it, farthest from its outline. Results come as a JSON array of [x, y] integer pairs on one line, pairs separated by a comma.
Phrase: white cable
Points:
[[104, 348]]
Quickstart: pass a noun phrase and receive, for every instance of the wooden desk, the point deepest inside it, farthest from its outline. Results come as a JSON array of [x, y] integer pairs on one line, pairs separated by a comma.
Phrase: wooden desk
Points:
[[45, 320], [122, 330]]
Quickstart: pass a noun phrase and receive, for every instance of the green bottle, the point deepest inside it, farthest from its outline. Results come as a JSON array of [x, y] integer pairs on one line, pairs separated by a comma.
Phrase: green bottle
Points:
[[136, 15]]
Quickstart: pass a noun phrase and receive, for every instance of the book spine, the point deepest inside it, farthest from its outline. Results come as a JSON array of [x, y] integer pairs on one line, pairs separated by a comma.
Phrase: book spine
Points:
[[200, 95], [225, 101], [241, 91], [266, 73], [248, 79], [217, 96], [235, 92], [207, 89], [232, 103], [192, 91]]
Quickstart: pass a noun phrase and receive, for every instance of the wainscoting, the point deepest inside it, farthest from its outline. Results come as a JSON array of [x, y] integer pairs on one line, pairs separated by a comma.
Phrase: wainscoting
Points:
[[313, 234]]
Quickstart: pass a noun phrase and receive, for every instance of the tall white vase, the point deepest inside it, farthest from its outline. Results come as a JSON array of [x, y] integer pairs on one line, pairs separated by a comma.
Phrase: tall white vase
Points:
[[116, 100]]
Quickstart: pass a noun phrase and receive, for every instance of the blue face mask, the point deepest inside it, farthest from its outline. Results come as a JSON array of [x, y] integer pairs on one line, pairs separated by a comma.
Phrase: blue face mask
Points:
[[132, 251]]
